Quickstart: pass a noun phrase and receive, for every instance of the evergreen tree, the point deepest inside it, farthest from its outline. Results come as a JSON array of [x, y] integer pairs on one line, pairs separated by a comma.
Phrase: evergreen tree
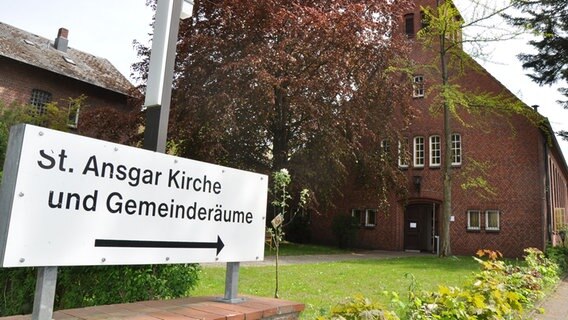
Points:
[[547, 20]]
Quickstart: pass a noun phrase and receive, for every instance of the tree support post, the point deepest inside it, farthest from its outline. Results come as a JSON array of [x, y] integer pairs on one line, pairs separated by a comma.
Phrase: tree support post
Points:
[[44, 293]]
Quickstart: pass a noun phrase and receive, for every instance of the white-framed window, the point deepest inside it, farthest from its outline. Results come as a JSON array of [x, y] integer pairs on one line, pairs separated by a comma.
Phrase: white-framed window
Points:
[[403, 153], [456, 149], [73, 115], [385, 146], [419, 152], [473, 220], [418, 86], [385, 151], [39, 99], [370, 217], [423, 20], [492, 220], [364, 217], [356, 217], [435, 151]]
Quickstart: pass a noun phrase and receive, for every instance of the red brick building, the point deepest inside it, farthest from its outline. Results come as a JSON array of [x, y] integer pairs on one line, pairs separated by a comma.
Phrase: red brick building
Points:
[[36, 70], [522, 163]]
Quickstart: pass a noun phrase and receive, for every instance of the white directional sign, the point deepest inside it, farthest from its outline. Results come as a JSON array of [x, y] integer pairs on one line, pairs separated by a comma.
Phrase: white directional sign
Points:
[[71, 200]]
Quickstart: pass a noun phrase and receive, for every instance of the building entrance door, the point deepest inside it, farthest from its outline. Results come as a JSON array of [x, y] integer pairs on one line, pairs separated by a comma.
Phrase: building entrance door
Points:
[[419, 227]]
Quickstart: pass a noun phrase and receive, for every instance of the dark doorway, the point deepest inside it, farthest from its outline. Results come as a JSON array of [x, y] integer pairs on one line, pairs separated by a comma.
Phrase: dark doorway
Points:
[[419, 227]]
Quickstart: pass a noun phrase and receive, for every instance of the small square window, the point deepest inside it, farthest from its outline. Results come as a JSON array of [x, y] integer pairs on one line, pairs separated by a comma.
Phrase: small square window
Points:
[[39, 99], [492, 222], [356, 217], [473, 220], [370, 217], [418, 87]]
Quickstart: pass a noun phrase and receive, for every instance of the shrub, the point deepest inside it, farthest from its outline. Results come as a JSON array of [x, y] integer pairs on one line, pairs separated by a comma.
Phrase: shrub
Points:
[[559, 255], [360, 307], [89, 286], [498, 291]]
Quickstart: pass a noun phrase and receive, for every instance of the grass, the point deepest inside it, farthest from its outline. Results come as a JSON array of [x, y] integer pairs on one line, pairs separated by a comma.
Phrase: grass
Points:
[[320, 286]]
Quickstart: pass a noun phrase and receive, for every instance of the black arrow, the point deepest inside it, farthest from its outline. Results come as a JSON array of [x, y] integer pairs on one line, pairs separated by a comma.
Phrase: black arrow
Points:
[[160, 244]]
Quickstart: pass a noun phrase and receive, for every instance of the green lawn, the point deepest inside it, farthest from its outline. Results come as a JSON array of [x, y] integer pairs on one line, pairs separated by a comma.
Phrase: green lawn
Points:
[[320, 286]]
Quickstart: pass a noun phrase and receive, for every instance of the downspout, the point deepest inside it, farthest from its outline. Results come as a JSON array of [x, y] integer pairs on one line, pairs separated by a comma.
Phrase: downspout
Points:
[[547, 194]]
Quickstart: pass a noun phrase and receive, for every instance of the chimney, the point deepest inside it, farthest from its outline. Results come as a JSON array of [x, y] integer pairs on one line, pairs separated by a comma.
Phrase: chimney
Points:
[[61, 40], [535, 107]]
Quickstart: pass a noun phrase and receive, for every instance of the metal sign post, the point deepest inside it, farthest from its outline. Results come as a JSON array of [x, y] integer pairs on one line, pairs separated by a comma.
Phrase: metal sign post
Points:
[[158, 97], [232, 283], [161, 74], [44, 293]]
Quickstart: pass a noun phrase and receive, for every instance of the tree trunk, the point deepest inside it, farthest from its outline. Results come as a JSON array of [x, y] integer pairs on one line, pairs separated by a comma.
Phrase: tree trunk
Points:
[[447, 172], [280, 130], [445, 249]]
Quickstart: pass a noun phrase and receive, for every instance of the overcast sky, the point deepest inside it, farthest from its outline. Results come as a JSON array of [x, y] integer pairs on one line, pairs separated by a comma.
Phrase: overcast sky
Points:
[[106, 28]]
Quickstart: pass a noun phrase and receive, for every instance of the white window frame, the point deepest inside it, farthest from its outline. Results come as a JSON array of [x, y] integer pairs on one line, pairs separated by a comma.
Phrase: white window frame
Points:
[[492, 228], [435, 151], [402, 159], [456, 149], [418, 86], [358, 214], [419, 152], [469, 215], [368, 214], [73, 120], [385, 146], [39, 99]]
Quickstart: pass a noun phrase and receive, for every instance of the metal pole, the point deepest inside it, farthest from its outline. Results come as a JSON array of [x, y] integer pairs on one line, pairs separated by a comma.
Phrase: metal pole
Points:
[[232, 283], [158, 97], [161, 74], [44, 293]]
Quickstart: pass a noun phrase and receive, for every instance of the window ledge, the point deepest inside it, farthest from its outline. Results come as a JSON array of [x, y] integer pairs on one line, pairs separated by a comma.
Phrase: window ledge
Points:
[[473, 230]]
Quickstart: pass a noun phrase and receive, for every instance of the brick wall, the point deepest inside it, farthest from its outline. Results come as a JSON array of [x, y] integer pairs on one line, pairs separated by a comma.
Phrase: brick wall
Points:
[[512, 149], [17, 81]]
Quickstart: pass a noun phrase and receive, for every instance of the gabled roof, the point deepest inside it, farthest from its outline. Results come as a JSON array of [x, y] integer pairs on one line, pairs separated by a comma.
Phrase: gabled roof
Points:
[[39, 52]]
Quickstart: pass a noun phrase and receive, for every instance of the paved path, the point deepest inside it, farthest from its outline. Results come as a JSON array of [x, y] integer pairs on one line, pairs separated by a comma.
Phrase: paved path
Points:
[[556, 304], [319, 258]]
